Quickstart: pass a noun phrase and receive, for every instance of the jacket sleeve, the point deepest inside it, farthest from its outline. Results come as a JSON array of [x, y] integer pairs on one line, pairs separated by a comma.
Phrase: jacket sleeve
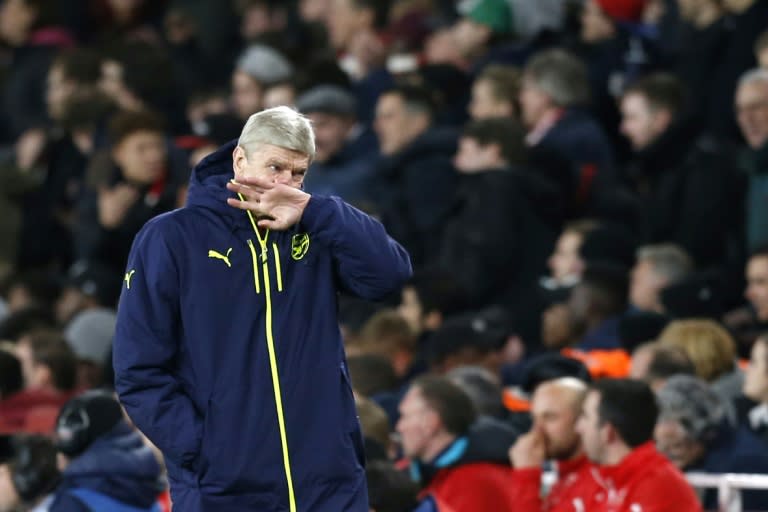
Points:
[[369, 263], [526, 488], [146, 346]]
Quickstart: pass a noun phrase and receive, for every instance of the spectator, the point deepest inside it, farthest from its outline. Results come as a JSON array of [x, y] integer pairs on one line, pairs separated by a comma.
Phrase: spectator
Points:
[[139, 181], [31, 29], [257, 68], [712, 351], [752, 115], [754, 414], [482, 387], [390, 490], [694, 433], [498, 201], [371, 374], [387, 333], [654, 363], [566, 142], [374, 424], [495, 93], [459, 342], [689, 190], [28, 479], [556, 406], [464, 467], [50, 371], [107, 466], [343, 164], [761, 50], [416, 157], [748, 322], [632, 474], [657, 267]]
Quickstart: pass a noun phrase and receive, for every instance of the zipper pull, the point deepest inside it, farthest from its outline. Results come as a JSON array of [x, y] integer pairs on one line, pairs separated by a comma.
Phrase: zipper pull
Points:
[[263, 254]]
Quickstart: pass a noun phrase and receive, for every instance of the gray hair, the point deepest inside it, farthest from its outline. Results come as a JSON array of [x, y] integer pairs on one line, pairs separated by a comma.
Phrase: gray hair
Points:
[[481, 386], [561, 75], [264, 64], [756, 75], [694, 405], [668, 260], [279, 126]]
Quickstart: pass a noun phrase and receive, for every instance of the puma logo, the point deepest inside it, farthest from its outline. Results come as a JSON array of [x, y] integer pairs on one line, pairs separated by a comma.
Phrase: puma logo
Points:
[[127, 278], [217, 255]]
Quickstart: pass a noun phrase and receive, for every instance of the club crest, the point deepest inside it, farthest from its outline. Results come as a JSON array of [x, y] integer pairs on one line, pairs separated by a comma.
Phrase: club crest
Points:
[[299, 245]]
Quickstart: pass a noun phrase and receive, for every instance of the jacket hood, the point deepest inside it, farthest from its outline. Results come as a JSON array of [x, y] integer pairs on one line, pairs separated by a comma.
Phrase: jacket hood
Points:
[[208, 185], [119, 465]]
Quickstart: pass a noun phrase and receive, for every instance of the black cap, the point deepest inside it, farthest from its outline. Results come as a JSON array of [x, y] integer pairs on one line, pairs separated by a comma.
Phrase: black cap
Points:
[[84, 419], [551, 366], [95, 280]]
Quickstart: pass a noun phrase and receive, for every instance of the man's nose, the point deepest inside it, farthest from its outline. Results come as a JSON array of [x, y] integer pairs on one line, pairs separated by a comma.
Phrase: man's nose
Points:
[[285, 177]]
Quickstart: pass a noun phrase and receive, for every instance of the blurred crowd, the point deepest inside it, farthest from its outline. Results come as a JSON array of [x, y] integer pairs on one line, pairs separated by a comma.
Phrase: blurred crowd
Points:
[[582, 186]]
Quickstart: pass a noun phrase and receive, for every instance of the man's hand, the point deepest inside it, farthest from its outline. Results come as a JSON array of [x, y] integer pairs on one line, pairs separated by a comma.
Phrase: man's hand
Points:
[[529, 451], [279, 206], [29, 147], [114, 203]]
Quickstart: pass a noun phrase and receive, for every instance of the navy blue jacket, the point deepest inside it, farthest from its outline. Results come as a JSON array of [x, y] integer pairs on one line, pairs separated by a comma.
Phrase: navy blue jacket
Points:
[[228, 353], [118, 465]]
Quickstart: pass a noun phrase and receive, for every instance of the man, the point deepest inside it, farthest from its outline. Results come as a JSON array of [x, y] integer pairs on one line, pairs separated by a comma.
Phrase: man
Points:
[[690, 193], [416, 158], [750, 321], [106, 464], [258, 67], [657, 267], [753, 407], [565, 141], [695, 433], [654, 363], [459, 461], [555, 408], [28, 478], [632, 475], [498, 202], [752, 116], [494, 93], [227, 349], [345, 149]]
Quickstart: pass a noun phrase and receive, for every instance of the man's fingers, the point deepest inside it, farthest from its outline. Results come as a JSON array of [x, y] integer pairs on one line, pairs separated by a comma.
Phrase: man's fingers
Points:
[[243, 205], [246, 190], [254, 181]]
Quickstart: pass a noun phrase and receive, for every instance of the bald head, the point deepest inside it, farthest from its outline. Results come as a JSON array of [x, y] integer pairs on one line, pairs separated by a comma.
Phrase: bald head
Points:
[[555, 407]]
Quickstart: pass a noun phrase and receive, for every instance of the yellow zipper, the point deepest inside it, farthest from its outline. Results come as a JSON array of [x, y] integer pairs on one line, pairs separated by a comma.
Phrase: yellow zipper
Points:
[[271, 344], [277, 267]]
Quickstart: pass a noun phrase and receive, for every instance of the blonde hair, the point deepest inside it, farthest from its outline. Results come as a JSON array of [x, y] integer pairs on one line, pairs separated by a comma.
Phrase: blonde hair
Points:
[[278, 126], [709, 346]]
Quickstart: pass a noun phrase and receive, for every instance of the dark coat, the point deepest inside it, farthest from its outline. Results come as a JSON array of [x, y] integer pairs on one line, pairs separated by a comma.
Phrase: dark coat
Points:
[[228, 354]]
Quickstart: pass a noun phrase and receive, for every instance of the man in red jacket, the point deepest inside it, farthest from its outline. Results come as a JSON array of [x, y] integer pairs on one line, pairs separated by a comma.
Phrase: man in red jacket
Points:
[[555, 408], [458, 459], [616, 428]]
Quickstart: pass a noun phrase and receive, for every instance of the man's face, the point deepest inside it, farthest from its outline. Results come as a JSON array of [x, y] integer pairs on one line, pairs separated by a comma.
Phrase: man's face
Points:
[[484, 105], [595, 25], [556, 331], [534, 103], [414, 424], [16, 18], [762, 58], [58, 91], [246, 95], [752, 112], [272, 163], [757, 286], [394, 125], [553, 413], [566, 262], [472, 157], [71, 302], [331, 132], [645, 286], [344, 21], [9, 498], [589, 428], [756, 376], [639, 122], [141, 156], [672, 441]]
